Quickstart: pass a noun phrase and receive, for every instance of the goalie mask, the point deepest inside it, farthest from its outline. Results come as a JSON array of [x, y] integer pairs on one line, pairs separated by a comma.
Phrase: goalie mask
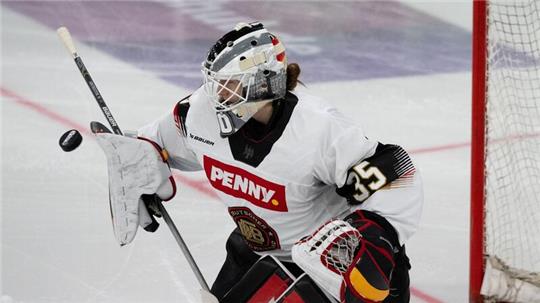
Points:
[[243, 71]]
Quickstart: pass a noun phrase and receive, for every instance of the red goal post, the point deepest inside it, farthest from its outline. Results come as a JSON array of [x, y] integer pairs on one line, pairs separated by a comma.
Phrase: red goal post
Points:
[[505, 152], [476, 266]]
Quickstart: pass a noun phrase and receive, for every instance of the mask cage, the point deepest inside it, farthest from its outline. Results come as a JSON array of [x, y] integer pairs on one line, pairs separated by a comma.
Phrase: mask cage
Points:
[[236, 94]]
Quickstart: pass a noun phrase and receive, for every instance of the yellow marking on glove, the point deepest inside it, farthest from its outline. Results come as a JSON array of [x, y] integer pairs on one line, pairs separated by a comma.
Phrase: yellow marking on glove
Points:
[[364, 288]]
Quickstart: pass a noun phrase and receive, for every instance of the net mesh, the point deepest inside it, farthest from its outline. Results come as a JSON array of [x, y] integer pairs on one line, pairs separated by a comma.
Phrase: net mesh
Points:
[[513, 137]]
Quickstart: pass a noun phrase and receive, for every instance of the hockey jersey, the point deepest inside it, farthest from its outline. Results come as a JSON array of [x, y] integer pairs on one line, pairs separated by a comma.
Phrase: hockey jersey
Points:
[[282, 187]]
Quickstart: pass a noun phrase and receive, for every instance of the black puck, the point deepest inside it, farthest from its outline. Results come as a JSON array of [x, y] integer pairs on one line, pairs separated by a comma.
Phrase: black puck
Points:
[[70, 140]]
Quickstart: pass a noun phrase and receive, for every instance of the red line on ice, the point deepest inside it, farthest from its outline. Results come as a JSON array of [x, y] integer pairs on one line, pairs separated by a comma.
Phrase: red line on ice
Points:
[[438, 148], [423, 296], [196, 184], [42, 110], [199, 185]]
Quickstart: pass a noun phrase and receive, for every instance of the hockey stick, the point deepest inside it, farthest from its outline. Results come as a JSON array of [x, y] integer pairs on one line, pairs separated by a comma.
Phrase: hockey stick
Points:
[[183, 246], [65, 36]]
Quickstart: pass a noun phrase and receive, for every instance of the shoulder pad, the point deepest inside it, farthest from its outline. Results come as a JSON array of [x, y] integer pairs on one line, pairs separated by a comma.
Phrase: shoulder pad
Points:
[[180, 113]]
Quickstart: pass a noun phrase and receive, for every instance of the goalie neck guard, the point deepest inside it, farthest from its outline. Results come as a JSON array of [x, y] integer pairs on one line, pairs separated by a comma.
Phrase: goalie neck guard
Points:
[[244, 70]]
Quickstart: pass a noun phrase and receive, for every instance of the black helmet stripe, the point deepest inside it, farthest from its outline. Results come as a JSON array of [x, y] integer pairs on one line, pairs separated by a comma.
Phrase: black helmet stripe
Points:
[[239, 48], [231, 36]]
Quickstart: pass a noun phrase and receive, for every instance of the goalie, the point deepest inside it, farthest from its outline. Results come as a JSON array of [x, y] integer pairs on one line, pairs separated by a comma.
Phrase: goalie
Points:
[[301, 180]]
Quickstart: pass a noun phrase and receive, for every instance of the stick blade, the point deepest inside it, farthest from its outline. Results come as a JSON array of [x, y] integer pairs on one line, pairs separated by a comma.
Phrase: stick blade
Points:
[[98, 128]]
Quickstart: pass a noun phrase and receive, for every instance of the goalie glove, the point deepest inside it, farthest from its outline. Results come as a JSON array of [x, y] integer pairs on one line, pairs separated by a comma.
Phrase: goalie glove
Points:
[[352, 261], [136, 167], [327, 254]]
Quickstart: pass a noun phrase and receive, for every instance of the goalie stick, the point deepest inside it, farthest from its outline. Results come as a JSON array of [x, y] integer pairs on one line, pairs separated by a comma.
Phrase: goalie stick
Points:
[[65, 36], [66, 39]]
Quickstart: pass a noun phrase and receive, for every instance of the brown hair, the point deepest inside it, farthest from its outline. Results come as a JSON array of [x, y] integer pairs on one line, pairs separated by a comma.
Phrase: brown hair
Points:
[[293, 71]]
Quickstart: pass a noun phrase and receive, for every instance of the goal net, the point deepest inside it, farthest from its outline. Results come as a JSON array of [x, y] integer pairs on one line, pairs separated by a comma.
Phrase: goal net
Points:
[[508, 158]]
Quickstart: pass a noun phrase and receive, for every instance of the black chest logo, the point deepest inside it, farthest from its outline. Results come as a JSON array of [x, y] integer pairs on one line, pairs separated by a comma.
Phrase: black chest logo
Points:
[[248, 152], [200, 139]]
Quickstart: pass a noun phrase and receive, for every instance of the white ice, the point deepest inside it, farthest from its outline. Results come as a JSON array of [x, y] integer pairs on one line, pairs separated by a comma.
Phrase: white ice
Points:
[[57, 243]]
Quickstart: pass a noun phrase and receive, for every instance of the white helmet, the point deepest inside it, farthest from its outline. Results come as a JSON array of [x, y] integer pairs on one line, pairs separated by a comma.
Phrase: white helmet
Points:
[[244, 70]]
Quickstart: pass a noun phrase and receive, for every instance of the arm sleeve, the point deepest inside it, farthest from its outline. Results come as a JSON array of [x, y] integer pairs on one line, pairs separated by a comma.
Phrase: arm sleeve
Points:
[[343, 145], [400, 203], [349, 160], [169, 133]]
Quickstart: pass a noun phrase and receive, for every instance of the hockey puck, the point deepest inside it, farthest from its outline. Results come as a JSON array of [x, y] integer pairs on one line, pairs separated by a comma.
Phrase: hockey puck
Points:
[[70, 140]]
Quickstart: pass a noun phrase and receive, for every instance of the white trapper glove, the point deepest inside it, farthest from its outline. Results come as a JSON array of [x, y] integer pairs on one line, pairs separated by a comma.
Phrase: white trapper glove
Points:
[[136, 167], [327, 253]]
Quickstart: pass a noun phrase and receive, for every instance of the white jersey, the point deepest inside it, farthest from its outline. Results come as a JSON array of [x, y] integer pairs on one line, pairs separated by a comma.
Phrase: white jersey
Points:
[[283, 187]]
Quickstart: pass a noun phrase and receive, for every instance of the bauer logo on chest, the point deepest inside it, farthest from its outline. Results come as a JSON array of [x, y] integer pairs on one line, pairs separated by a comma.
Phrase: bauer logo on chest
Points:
[[242, 184]]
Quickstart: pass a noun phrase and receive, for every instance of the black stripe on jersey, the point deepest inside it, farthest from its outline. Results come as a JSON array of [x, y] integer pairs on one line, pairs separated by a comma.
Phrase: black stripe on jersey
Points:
[[392, 161], [253, 142], [180, 113]]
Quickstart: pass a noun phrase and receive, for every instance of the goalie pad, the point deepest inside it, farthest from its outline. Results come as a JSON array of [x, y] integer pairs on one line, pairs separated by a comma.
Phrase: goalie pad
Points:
[[269, 281], [304, 290], [135, 167], [265, 281]]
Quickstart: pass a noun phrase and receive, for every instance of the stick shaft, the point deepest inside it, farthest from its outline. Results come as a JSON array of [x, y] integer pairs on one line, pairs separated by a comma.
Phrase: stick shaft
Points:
[[183, 246], [66, 39], [97, 95]]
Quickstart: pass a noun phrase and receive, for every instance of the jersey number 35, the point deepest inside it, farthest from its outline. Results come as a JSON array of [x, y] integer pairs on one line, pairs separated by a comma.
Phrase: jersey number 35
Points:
[[366, 179]]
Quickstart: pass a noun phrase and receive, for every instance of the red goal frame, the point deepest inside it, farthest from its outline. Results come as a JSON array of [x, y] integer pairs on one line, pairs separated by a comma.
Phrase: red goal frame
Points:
[[479, 68]]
